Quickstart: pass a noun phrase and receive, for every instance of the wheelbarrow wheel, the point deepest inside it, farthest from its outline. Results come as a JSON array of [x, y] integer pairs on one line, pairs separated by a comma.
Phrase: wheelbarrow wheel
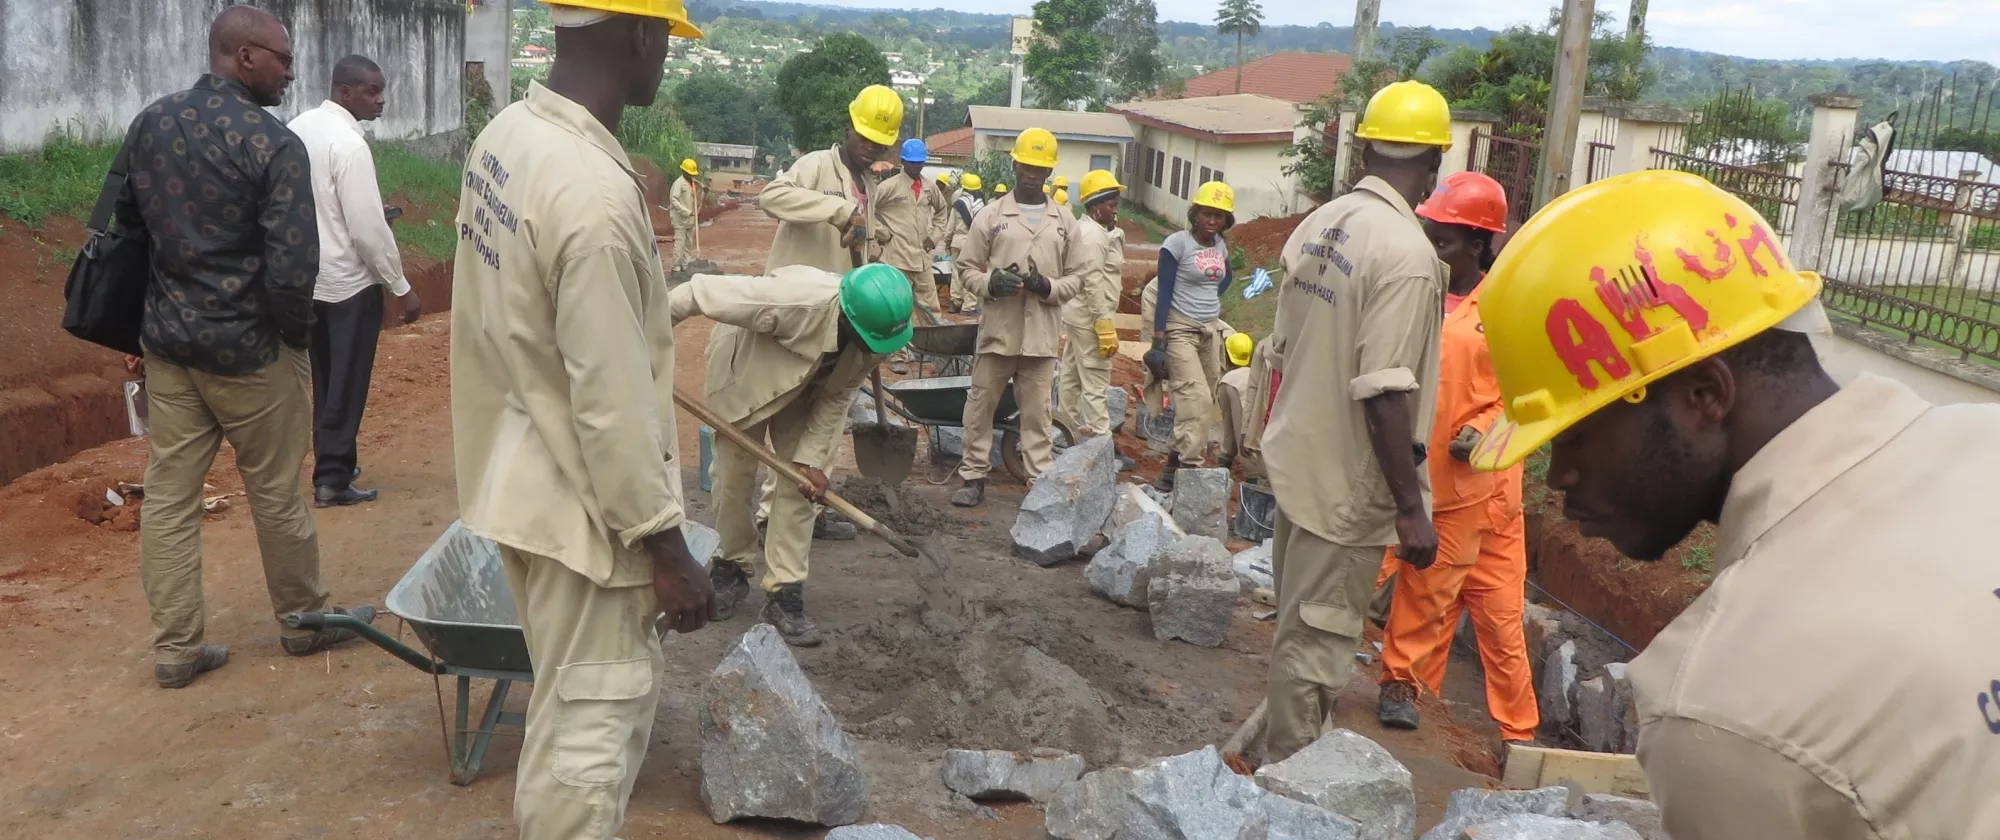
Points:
[[1011, 455]]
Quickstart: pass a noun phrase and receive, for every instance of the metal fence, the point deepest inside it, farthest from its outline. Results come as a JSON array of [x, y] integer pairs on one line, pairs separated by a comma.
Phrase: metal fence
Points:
[[1511, 161], [1773, 192], [1599, 165]]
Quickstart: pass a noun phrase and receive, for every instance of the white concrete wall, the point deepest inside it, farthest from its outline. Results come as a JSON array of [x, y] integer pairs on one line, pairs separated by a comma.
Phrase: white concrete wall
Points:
[[489, 38], [1871, 261], [1853, 351], [1254, 170], [1072, 157], [87, 66]]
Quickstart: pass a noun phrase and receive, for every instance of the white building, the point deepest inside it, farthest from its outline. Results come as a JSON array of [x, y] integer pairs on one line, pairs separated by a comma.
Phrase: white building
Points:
[[1236, 139]]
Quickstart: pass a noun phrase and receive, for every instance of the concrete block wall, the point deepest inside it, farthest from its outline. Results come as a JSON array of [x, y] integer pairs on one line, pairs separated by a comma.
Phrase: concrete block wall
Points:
[[85, 67]]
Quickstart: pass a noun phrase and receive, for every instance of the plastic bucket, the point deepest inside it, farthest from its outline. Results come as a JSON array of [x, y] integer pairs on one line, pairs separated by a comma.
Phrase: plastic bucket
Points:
[[1256, 510]]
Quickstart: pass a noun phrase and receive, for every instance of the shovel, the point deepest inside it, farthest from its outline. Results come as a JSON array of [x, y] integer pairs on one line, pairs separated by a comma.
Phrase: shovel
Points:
[[934, 576], [882, 451]]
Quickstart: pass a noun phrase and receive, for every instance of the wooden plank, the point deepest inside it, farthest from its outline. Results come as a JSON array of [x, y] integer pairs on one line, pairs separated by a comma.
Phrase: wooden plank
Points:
[[1613, 773]]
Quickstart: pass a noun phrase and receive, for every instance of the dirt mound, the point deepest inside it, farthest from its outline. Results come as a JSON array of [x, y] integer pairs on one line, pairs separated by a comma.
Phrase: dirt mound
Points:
[[912, 517], [1262, 240]]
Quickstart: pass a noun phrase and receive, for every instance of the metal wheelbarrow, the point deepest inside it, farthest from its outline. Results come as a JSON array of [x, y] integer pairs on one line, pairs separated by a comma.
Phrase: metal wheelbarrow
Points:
[[457, 603], [939, 402]]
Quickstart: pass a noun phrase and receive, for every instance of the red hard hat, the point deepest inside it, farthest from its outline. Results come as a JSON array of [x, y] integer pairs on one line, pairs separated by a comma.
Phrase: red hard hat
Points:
[[1467, 198]]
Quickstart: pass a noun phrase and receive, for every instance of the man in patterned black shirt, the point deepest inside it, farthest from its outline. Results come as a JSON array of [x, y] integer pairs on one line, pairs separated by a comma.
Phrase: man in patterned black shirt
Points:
[[223, 190]]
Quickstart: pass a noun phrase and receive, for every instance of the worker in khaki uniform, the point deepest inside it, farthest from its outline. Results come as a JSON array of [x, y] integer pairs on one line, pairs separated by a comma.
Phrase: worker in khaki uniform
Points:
[[1186, 353], [907, 217], [1837, 679], [970, 201], [786, 355], [1232, 397], [1015, 244], [1477, 567], [684, 210], [1091, 339], [825, 207], [1358, 320], [563, 427]]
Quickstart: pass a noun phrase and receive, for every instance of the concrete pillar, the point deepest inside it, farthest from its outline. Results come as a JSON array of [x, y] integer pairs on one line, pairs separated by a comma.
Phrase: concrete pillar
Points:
[[1833, 122], [1641, 129], [1464, 122], [489, 38], [1589, 125], [1014, 86]]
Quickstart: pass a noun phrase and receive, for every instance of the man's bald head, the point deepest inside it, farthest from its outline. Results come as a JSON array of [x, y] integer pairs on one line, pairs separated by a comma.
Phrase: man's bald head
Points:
[[248, 45]]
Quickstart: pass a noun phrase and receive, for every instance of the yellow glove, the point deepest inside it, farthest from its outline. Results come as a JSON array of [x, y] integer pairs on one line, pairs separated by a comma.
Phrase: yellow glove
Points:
[[1107, 338]]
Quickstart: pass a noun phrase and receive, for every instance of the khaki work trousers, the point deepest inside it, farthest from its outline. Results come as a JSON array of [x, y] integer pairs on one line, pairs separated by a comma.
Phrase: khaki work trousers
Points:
[[961, 290], [267, 418], [923, 286], [1032, 377], [684, 247], [1194, 366], [1323, 591], [597, 686], [1081, 383], [789, 525]]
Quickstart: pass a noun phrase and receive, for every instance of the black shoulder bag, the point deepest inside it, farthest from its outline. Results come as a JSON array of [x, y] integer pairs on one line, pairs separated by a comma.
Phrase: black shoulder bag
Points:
[[105, 297]]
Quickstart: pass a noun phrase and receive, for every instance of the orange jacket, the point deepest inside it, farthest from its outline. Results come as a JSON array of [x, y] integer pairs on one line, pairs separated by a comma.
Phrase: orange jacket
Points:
[[1468, 395]]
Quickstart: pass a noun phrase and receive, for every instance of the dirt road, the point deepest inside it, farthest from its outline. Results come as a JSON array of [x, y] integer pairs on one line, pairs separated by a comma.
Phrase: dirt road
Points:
[[348, 744]]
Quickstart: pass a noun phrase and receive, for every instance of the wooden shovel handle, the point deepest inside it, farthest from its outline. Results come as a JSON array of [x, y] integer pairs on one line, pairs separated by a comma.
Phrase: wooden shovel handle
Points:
[[789, 472]]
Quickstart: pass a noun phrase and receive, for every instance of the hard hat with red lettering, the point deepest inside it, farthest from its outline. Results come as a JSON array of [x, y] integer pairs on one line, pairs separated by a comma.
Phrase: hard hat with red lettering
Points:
[[1620, 283], [1407, 112], [574, 13], [1472, 199]]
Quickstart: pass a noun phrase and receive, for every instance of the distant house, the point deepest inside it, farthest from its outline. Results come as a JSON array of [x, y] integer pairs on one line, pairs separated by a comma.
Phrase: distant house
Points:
[[904, 79], [727, 164], [1292, 76], [534, 51], [951, 148], [1237, 139], [1085, 141]]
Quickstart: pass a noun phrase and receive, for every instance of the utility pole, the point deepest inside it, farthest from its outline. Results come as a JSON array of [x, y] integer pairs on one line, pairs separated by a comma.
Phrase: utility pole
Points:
[[1366, 13], [1635, 24], [922, 84], [1565, 100]]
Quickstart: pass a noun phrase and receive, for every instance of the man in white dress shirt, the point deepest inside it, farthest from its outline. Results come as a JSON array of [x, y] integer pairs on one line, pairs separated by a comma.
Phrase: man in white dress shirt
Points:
[[357, 252]]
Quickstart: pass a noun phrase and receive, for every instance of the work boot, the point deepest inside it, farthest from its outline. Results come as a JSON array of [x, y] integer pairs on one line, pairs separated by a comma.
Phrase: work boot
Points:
[[831, 526], [330, 636], [786, 611], [324, 496], [1397, 708], [732, 587], [209, 658], [1165, 483], [969, 493]]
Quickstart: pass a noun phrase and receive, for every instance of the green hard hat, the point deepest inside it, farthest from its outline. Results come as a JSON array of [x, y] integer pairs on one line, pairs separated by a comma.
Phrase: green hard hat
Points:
[[877, 300]]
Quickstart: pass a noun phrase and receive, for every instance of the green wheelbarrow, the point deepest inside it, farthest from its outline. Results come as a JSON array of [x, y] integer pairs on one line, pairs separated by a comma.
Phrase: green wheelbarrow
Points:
[[939, 402], [457, 603]]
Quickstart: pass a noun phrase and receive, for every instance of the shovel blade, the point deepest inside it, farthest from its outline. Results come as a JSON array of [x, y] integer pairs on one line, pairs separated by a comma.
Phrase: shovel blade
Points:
[[885, 452]]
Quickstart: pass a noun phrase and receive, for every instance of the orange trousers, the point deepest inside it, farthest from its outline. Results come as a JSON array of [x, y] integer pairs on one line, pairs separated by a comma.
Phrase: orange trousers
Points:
[[1482, 567]]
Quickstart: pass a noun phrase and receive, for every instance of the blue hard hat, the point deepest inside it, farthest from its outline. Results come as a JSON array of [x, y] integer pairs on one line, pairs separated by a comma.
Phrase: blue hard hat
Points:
[[914, 151]]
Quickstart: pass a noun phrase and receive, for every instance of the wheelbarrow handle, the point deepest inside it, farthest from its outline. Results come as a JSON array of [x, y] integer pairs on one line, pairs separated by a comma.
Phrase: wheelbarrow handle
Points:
[[336, 621]]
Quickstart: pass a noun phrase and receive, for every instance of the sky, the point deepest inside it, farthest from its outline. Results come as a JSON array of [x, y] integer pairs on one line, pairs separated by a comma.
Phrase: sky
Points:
[[1937, 30]]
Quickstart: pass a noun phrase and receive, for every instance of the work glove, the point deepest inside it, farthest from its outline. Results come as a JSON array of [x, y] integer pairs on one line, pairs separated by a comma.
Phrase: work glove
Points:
[[1156, 359], [1462, 445], [1107, 338], [1036, 283], [1003, 282]]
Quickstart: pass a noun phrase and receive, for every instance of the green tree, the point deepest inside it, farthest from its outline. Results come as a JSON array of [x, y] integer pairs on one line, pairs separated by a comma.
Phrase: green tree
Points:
[[1240, 18], [994, 167], [1408, 51], [720, 108], [1511, 78], [1064, 62], [815, 87], [1132, 31]]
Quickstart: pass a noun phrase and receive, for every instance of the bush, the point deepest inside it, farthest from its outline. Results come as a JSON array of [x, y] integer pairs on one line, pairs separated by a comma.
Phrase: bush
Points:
[[657, 134]]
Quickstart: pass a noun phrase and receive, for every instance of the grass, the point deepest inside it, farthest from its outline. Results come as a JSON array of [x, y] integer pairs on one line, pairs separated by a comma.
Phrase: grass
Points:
[[1157, 228], [427, 183], [63, 179], [1255, 316]]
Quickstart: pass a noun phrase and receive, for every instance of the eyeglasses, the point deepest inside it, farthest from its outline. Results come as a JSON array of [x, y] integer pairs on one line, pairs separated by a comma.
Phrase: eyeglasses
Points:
[[284, 58]]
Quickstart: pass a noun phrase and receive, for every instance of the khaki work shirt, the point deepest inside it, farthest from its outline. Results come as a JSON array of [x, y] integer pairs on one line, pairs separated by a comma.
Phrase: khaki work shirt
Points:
[[1103, 281], [940, 201], [810, 201], [1359, 314], [774, 338], [1025, 324], [682, 207], [1840, 678], [562, 355], [905, 217]]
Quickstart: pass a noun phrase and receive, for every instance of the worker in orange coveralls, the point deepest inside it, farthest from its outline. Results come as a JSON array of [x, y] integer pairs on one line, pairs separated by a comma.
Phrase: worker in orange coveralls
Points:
[[1482, 553]]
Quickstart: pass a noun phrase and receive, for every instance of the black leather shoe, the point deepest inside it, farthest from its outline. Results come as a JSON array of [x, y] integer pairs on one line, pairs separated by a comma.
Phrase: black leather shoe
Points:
[[322, 639], [324, 497], [732, 587], [208, 659], [1397, 707], [786, 611], [970, 493]]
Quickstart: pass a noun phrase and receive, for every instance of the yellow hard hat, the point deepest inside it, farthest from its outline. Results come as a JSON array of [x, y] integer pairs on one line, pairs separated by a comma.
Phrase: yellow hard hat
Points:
[[1036, 147], [1217, 195], [671, 11], [1617, 284], [1407, 112], [971, 181], [1239, 347], [1098, 182], [1000, 189], [877, 113], [688, 166], [1060, 182]]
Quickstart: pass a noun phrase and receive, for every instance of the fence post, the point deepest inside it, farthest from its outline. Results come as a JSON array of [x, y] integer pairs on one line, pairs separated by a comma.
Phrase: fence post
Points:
[[1642, 128], [1343, 155], [1834, 118], [1961, 225]]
